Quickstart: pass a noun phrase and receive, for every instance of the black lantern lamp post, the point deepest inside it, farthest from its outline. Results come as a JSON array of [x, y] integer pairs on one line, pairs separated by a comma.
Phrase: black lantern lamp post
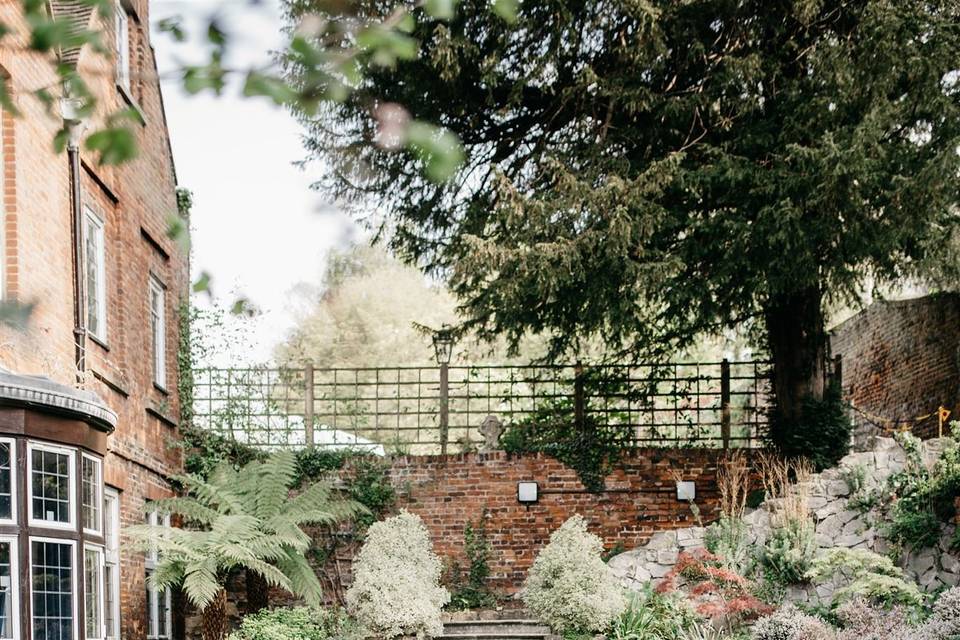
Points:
[[443, 350]]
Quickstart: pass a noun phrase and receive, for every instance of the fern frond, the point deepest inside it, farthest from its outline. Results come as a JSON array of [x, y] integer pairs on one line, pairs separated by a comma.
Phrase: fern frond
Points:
[[303, 579]]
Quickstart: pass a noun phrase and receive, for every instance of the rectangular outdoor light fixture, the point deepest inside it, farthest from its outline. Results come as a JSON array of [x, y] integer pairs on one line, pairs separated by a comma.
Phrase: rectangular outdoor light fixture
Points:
[[527, 492], [686, 491]]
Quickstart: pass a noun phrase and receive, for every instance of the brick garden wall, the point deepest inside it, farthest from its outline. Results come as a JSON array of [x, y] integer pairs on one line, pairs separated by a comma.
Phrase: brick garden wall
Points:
[[901, 360], [640, 499]]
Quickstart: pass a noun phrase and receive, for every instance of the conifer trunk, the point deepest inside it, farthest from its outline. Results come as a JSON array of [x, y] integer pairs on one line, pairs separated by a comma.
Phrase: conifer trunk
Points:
[[215, 617], [798, 345]]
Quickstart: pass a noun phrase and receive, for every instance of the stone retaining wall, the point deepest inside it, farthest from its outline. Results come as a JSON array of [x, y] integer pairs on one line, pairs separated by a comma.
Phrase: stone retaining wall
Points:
[[838, 524]]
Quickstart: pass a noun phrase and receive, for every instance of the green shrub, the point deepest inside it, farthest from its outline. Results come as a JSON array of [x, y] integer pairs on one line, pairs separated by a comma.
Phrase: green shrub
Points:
[[652, 616], [789, 550], [569, 587], [300, 623], [823, 438], [867, 575], [924, 497], [727, 538], [592, 450], [396, 587], [473, 592]]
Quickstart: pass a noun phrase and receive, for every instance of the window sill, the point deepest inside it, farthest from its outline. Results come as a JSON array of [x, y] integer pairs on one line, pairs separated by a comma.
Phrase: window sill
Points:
[[100, 341], [128, 98], [162, 416], [162, 389]]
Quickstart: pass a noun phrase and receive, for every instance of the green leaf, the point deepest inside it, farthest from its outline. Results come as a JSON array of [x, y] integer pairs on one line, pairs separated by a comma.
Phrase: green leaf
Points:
[[441, 9], [202, 283], [506, 9], [116, 145], [178, 231], [243, 307], [439, 149], [174, 27], [259, 84]]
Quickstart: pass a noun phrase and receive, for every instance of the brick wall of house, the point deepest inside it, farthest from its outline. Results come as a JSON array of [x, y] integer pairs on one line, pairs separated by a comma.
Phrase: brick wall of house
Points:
[[135, 201], [901, 360]]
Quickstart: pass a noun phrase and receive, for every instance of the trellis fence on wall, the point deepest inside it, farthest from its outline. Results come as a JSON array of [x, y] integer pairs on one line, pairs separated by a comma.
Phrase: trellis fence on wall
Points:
[[439, 409]]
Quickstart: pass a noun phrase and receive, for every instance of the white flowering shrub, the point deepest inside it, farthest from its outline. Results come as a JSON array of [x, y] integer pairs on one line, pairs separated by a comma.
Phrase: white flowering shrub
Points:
[[396, 580], [789, 623], [569, 586]]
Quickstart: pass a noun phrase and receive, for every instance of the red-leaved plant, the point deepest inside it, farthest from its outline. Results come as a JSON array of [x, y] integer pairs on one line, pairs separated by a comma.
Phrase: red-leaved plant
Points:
[[715, 592]]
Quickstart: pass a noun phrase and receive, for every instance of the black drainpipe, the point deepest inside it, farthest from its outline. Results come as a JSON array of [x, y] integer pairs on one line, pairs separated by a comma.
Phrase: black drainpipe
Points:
[[76, 212]]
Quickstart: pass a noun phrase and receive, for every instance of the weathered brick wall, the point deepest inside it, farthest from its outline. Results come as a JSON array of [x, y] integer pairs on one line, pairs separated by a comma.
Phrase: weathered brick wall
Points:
[[135, 201], [450, 492], [640, 499], [901, 360]]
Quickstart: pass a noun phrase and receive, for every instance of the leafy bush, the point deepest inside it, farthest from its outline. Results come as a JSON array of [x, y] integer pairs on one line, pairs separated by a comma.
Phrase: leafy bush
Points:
[[371, 487], [592, 450], [789, 550], [868, 575], [924, 497], [789, 623], [300, 623], [727, 539], [569, 587], [824, 436], [396, 589], [945, 619], [652, 616], [715, 591], [473, 592]]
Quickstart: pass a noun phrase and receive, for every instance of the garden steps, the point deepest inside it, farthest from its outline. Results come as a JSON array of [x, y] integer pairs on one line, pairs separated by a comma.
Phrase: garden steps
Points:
[[506, 629]]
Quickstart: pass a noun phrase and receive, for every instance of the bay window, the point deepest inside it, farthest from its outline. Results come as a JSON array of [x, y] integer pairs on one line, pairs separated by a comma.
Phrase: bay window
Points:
[[93, 591], [91, 486], [9, 589], [51, 471], [53, 581], [111, 564], [8, 485]]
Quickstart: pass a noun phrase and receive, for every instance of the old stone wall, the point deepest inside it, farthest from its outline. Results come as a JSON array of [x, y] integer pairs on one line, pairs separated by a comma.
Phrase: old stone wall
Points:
[[901, 361], [840, 523]]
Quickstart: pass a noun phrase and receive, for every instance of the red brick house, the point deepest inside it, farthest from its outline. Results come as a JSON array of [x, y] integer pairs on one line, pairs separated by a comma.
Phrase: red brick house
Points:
[[88, 391]]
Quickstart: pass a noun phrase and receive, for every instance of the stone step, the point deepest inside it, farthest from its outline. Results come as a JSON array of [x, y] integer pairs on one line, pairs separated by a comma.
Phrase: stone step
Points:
[[494, 635], [512, 629]]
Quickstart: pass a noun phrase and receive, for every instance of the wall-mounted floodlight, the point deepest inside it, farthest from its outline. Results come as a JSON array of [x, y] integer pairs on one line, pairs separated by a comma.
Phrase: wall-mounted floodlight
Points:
[[528, 492], [686, 491]]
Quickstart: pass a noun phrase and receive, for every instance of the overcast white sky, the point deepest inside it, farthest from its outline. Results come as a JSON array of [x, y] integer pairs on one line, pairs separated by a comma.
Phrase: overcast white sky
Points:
[[257, 227]]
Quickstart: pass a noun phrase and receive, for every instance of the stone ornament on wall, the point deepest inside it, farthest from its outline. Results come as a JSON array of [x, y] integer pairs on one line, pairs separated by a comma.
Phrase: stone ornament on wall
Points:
[[491, 429]]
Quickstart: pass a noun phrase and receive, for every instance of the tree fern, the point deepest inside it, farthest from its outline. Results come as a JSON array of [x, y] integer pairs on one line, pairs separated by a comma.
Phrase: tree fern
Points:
[[242, 520]]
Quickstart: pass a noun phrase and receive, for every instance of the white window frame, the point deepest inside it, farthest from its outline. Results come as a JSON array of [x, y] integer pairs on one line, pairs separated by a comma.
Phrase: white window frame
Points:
[[14, 582], [158, 330], [101, 568], [153, 603], [13, 481], [72, 470], [122, 35], [111, 557], [99, 464], [74, 574], [94, 223]]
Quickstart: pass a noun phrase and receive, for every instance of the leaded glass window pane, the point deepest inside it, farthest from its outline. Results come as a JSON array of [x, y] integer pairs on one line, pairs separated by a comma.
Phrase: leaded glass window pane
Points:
[[51, 574]]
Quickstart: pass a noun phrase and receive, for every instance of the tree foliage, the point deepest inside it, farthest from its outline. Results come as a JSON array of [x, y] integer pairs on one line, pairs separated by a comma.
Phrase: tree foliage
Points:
[[242, 519], [649, 171]]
